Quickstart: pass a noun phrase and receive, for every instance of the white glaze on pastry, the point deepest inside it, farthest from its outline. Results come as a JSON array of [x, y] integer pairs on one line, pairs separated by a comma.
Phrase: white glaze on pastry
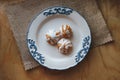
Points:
[[64, 45], [66, 31], [53, 37]]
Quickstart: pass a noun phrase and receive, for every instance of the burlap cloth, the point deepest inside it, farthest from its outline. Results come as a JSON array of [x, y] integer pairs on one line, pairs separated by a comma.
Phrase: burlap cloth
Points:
[[21, 14]]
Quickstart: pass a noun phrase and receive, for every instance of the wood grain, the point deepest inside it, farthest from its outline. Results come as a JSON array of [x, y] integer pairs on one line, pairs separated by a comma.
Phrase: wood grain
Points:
[[102, 63]]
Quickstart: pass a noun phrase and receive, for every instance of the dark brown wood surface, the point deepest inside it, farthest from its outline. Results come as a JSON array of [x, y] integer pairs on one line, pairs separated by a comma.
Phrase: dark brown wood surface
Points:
[[101, 63]]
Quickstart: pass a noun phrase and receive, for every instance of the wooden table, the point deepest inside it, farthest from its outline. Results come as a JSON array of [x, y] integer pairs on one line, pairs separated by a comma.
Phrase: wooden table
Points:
[[102, 63]]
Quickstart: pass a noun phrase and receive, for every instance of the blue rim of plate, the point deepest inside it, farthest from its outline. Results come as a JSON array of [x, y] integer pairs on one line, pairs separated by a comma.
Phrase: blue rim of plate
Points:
[[80, 55]]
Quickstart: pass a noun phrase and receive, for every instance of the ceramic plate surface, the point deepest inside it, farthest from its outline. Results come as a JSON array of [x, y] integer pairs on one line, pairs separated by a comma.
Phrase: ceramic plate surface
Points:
[[53, 18]]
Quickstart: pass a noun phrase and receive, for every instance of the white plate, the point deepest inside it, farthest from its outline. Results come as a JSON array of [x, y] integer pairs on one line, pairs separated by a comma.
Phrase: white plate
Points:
[[53, 18]]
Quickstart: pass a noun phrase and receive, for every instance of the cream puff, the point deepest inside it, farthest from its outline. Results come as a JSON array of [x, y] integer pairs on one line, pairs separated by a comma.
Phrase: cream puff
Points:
[[53, 37], [66, 31], [64, 46]]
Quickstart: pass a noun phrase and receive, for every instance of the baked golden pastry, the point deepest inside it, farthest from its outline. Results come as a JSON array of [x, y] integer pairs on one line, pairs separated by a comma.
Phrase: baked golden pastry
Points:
[[64, 46], [66, 31], [53, 37]]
